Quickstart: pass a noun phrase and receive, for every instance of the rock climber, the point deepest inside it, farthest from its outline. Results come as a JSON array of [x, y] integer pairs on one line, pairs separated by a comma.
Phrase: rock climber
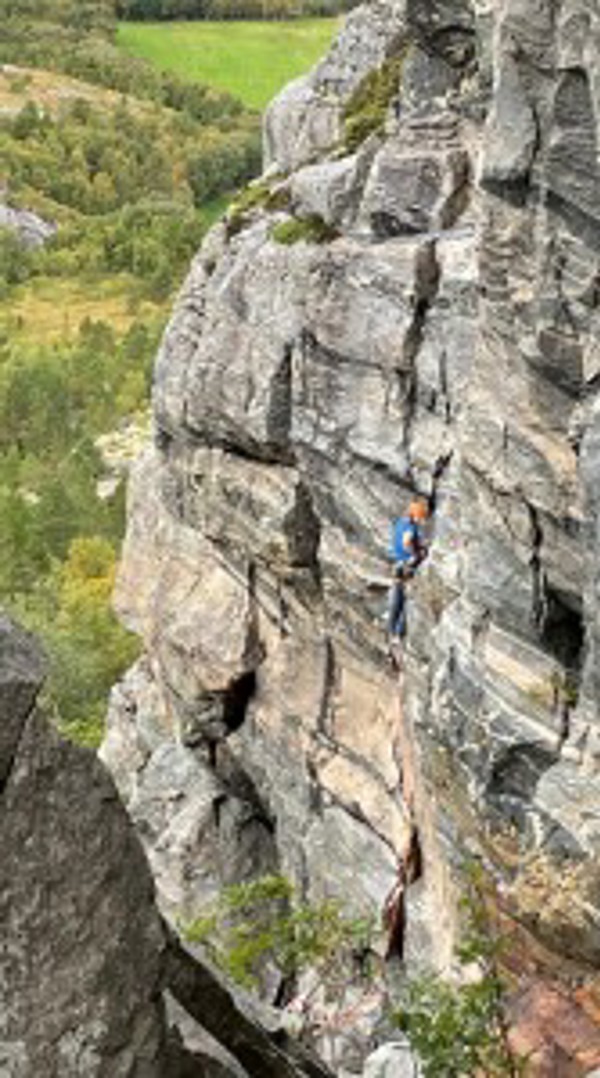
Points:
[[407, 550]]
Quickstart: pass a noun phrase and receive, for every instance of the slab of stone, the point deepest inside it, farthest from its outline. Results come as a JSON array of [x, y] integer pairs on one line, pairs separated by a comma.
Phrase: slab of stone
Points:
[[22, 669], [85, 957], [81, 959]]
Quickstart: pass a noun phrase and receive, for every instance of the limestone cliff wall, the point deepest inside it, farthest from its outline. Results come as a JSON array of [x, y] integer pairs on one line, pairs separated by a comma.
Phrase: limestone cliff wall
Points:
[[443, 341]]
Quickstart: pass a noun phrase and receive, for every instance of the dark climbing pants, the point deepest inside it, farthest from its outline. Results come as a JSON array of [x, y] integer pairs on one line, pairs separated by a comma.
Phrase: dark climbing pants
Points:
[[397, 609]]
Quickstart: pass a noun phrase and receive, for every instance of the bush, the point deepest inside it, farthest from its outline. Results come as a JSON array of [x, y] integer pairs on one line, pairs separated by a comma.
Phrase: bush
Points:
[[97, 160], [264, 921], [222, 162], [54, 402], [16, 260], [121, 186], [153, 10]]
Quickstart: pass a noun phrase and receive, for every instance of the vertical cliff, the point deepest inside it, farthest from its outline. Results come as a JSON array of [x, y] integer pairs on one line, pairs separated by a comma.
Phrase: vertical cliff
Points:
[[501, 683], [433, 329]]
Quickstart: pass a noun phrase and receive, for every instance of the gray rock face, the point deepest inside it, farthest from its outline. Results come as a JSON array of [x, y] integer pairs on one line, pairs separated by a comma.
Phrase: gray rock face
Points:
[[329, 189], [411, 192], [393, 1060], [201, 831], [445, 343], [508, 697], [21, 672], [85, 959], [304, 120], [70, 1020], [82, 944], [32, 230]]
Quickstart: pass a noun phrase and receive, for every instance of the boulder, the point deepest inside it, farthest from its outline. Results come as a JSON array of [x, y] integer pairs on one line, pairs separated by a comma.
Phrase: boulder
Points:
[[31, 229], [82, 956], [86, 959]]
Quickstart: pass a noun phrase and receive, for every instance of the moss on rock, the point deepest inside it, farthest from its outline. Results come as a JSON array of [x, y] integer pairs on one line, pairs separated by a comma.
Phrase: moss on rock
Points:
[[311, 229], [366, 110], [257, 195]]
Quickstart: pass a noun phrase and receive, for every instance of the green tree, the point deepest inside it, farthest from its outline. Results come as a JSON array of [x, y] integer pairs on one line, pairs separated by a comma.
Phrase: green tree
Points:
[[265, 921], [87, 648], [15, 259], [27, 122]]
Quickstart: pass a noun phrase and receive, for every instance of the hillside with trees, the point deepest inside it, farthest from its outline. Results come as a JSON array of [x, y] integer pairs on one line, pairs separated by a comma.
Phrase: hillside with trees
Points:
[[153, 10], [124, 169]]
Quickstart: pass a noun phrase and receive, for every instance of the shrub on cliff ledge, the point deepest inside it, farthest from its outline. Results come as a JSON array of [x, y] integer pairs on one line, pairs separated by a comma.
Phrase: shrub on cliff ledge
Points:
[[454, 1029], [262, 921]]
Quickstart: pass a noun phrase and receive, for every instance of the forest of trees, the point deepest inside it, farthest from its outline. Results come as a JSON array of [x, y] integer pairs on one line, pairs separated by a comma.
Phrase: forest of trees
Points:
[[131, 171], [79, 40], [125, 184], [154, 10]]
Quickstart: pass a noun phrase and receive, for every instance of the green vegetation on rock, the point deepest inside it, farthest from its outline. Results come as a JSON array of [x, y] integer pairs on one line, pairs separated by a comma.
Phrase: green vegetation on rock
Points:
[[263, 920], [311, 229], [367, 108], [260, 195]]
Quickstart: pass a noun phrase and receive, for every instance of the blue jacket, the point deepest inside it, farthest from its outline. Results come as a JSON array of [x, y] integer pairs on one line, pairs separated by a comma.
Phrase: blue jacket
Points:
[[406, 540]]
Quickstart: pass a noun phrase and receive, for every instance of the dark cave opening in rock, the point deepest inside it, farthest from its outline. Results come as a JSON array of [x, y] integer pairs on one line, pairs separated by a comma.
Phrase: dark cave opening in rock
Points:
[[563, 632], [237, 698]]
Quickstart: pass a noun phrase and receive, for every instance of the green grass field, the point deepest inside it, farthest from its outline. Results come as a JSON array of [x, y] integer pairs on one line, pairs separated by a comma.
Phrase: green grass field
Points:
[[252, 60]]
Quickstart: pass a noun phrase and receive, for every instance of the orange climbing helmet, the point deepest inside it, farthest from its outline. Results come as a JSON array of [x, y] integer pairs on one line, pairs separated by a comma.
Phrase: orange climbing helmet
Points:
[[418, 511]]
